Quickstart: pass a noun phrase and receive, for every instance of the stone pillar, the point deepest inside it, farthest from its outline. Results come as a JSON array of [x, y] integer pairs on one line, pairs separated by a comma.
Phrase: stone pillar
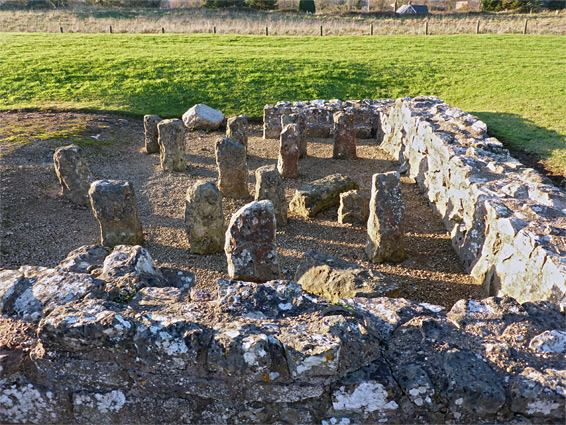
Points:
[[300, 120], [237, 129], [353, 208], [269, 186], [385, 224], [250, 243], [204, 221], [151, 134], [114, 206], [344, 136], [73, 173], [232, 169], [172, 145], [288, 161]]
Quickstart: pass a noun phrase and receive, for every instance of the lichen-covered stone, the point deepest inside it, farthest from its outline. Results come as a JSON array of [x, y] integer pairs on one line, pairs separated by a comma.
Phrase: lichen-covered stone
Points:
[[114, 206], [12, 284], [237, 129], [321, 194], [73, 173], [539, 393], [288, 161], [344, 136], [181, 279], [232, 169], [84, 259], [172, 148], [151, 134], [251, 248], [203, 117], [269, 186], [333, 278], [353, 209], [385, 224], [204, 219], [298, 119]]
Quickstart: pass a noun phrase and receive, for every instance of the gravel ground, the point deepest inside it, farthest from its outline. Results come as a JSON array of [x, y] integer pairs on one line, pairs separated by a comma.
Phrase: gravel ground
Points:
[[39, 227]]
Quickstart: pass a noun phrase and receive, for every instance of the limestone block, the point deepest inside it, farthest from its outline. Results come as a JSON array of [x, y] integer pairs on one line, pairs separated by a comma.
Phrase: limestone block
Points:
[[172, 149], [250, 243], [269, 186], [288, 161], [203, 117], [204, 219], [344, 136], [353, 208], [385, 224], [114, 206], [84, 258], [151, 134], [299, 119], [334, 278], [73, 173], [237, 129], [232, 169], [321, 194]]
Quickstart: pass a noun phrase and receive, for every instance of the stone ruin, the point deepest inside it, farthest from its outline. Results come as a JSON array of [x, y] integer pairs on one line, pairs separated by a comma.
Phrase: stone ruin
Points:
[[120, 340]]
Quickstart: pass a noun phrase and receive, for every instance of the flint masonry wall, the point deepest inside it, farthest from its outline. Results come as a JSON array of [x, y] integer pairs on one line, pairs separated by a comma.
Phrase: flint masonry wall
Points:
[[506, 221]]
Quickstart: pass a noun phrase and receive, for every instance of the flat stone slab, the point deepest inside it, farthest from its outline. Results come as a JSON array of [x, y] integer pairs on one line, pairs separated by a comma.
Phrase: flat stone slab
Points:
[[321, 194]]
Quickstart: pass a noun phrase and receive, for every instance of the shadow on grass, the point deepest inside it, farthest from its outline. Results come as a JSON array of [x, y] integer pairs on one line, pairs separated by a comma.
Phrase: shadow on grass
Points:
[[537, 147]]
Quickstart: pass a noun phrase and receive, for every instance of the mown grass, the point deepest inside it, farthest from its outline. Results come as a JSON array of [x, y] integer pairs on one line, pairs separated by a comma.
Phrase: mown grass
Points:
[[513, 82]]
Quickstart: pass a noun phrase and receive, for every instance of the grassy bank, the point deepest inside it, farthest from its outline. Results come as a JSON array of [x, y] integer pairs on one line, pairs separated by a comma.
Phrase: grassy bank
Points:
[[515, 83]]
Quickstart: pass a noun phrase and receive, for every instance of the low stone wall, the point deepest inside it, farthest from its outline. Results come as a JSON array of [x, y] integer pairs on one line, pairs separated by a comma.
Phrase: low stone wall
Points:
[[507, 222]]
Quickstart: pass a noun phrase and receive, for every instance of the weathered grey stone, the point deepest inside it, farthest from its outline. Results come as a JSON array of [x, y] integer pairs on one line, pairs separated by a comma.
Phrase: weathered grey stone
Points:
[[114, 206], [298, 119], [321, 194], [344, 136], [12, 285], [288, 161], [385, 224], [237, 129], [151, 133], [539, 394], [251, 248], [73, 173], [549, 342], [203, 117], [84, 259], [181, 279], [232, 169], [172, 149], [204, 219], [353, 208], [334, 278], [269, 186]]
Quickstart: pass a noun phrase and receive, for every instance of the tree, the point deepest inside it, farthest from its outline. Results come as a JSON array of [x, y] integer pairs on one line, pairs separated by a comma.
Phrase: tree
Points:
[[307, 6], [262, 4]]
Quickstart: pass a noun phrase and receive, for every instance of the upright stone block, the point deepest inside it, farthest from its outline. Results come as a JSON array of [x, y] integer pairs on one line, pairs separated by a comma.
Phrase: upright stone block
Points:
[[204, 220], [353, 208], [232, 169], [250, 243], [73, 173], [300, 120], [385, 224], [288, 162], [237, 129], [114, 206], [172, 145], [344, 135], [151, 134], [269, 186]]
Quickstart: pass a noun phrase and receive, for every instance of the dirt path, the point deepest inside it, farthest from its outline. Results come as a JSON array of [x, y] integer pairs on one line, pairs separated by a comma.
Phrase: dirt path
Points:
[[39, 227]]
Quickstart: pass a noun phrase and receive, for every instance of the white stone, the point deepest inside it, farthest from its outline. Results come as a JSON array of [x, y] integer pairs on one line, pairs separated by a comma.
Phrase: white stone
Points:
[[202, 117]]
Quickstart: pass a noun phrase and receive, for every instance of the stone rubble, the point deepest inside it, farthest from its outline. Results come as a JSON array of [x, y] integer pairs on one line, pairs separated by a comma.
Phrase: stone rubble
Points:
[[172, 148], [232, 169], [151, 133], [251, 249], [204, 219], [73, 173], [237, 129], [203, 117], [288, 160], [353, 209], [385, 226], [114, 206], [344, 136], [269, 186]]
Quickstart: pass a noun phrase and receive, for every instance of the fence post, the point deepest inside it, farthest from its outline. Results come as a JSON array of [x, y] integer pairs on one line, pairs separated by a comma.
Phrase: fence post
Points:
[[110, 29], [214, 30], [321, 30], [478, 27], [162, 30], [525, 29], [371, 27], [61, 29], [266, 30], [426, 27]]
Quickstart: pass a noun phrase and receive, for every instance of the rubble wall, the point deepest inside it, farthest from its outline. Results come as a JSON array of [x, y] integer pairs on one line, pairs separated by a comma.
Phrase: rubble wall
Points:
[[506, 221]]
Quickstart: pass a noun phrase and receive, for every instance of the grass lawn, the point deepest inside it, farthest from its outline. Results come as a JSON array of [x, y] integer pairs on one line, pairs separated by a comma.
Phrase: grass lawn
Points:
[[515, 83]]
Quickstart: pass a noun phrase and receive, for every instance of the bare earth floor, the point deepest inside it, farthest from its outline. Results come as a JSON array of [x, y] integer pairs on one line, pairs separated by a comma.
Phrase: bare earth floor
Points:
[[39, 227]]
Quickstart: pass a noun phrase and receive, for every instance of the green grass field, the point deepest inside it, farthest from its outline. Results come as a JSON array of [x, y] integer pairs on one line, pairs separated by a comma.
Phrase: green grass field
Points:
[[515, 83]]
